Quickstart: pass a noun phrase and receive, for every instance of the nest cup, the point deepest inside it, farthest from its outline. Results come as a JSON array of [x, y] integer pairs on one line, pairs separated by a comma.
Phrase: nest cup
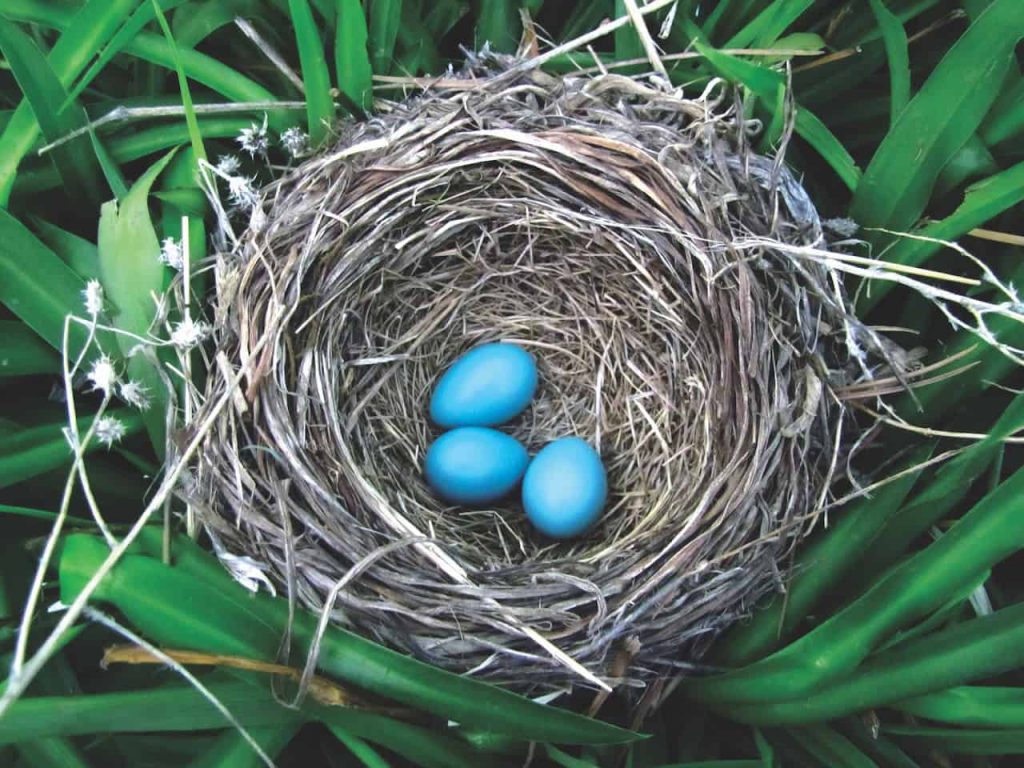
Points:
[[620, 231]]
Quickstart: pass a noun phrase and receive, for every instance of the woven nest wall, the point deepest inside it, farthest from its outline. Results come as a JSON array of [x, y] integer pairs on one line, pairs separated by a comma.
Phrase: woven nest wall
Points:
[[623, 234]]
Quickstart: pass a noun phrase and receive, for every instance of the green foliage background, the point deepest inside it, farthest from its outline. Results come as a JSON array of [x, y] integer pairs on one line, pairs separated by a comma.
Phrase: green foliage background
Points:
[[900, 642]]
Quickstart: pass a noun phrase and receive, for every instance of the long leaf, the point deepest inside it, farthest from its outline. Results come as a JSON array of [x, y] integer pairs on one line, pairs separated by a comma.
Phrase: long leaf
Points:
[[976, 706], [22, 352], [87, 31], [142, 16], [37, 286], [497, 23], [201, 608], [77, 252], [974, 650], [769, 24], [351, 56], [982, 201], [895, 39], [131, 272], [231, 750], [36, 450], [173, 708], [319, 104], [153, 48], [961, 741], [41, 87], [385, 16], [985, 536], [948, 109]]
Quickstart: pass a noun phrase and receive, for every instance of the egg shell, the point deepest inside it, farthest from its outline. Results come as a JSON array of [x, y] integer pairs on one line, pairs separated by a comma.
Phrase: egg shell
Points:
[[486, 386], [565, 488], [475, 465]]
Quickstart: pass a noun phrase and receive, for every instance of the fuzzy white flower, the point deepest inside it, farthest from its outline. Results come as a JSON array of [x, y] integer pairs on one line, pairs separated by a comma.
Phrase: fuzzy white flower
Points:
[[93, 297], [254, 138], [242, 192], [295, 141], [109, 430], [228, 164], [172, 254], [135, 393], [102, 375], [189, 333]]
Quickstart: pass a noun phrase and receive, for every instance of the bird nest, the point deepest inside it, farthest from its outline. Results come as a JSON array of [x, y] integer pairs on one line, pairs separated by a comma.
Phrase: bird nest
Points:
[[630, 239]]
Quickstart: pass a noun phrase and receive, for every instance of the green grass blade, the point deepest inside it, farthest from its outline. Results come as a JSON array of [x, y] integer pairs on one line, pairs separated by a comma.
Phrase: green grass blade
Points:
[[821, 565], [197, 605], [203, 19], [77, 252], [769, 24], [86, 32], [42, 89], [51, 753], [497, 23], [420, 746], [973, 650], [766, 85], [152, 48], [385, 16], [362, 751], [982, 202], [960, 741], [972, 706], [231, 750], [896, 50], [37, 286], [627, 41], [145, 142], [418, 51], [1006, 118], [938, 497], [948, 109], [186, 94], [584, 17], [831, 747], [131, 270], [31, 452], [319, 104], [351, 55], [23, 353], [171, 708], [985, 536], [142, 16], [445, 14]]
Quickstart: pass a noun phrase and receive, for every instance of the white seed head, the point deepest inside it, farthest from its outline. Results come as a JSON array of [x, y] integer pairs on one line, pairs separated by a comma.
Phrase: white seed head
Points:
[[242, 192], [189, 333], [254, 138], [295, 141], [228, 164], [102, 375], [135, 393], [109, 430], [93, 298], [171, 254]]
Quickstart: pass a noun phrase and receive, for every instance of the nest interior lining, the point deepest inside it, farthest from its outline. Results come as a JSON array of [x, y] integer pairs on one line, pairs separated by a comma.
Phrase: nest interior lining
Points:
[[592, 222]]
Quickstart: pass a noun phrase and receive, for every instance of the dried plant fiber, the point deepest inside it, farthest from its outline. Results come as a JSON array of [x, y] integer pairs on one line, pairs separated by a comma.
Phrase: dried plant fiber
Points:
[[625, 233]]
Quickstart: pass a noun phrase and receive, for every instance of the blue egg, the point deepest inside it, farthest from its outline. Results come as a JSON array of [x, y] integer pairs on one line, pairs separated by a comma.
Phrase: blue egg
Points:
[[565, 488], [488, 385], [475, 465]]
